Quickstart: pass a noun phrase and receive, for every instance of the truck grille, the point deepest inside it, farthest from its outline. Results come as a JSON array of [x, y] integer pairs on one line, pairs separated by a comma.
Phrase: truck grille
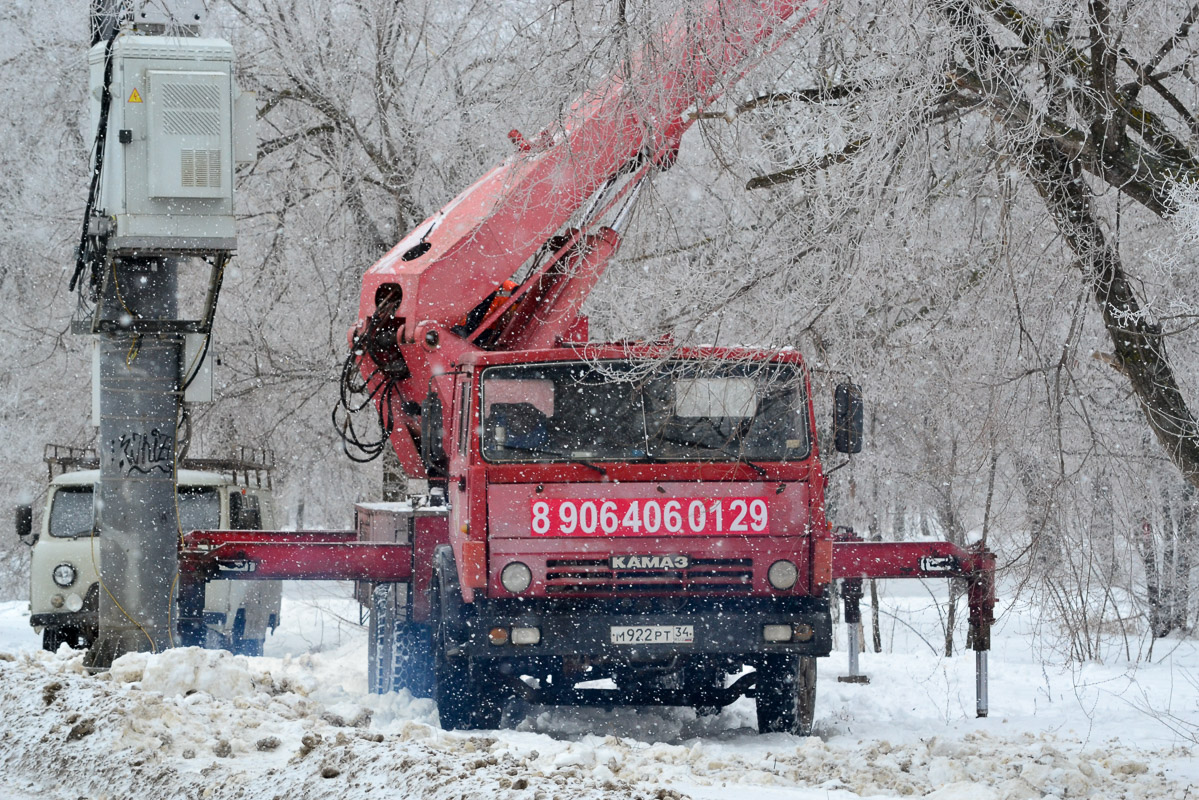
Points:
[[590, 576]]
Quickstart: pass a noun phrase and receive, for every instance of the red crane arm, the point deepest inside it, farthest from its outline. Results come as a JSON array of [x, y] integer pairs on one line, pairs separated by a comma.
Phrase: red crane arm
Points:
[[456, 258]]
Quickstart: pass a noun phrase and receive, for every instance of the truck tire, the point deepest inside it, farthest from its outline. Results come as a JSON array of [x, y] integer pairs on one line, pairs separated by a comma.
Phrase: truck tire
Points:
[[380, 641], [412, 659], [466, 700], [703, 685], [786, 694], [400, 653]]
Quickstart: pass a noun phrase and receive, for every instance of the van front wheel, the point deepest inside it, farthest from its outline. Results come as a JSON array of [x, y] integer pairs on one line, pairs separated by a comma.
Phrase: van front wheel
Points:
[[58, 635]]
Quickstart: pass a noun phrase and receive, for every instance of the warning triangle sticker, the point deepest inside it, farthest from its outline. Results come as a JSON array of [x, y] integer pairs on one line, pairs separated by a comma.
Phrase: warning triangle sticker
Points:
[[134, 97]]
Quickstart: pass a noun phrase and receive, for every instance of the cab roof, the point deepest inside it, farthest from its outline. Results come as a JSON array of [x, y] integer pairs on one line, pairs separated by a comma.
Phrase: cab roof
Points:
[[186, 477]]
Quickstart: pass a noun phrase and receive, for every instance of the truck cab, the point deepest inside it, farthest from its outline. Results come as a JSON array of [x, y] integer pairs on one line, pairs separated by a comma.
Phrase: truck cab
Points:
[[646, 515], [64, 576]]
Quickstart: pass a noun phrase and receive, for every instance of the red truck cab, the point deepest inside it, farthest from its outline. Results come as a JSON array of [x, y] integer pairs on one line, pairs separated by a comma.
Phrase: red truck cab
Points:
[[648, 515]]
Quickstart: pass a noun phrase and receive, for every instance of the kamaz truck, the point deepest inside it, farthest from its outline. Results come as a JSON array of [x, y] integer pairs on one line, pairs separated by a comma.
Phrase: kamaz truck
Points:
[[613, 523]]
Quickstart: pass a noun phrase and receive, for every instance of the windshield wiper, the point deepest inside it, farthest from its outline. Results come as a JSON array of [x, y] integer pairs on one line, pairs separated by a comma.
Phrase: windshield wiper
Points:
[[553, 454], [757, 468], [727, 450]]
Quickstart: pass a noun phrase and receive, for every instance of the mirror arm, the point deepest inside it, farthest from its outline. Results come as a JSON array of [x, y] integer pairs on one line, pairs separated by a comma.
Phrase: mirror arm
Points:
[[833, 469]]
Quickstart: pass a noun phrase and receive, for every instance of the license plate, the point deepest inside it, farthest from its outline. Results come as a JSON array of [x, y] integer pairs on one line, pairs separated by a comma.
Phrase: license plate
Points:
[[652, 634]]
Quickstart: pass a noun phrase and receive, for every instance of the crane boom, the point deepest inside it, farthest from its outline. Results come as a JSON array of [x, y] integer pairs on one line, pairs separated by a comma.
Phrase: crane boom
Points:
[[458, 256], [455, 260]]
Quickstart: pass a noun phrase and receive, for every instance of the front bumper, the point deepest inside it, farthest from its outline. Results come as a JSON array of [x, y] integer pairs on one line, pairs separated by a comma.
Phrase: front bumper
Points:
[[728, 628], [76, 619]]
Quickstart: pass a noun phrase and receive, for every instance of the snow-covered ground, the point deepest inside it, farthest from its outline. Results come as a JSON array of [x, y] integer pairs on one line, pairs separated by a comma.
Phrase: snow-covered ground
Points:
[[298, 723]]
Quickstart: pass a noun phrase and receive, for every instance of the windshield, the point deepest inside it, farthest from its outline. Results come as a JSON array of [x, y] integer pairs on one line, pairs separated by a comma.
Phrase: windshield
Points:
[[71, 511], [628, 411]]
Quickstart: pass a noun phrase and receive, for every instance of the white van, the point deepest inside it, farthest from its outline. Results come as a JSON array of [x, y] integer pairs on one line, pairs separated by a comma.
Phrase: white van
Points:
[[64, 584]]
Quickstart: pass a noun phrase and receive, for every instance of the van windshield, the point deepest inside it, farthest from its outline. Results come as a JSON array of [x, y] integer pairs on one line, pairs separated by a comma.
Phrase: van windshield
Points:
[[71, 511]]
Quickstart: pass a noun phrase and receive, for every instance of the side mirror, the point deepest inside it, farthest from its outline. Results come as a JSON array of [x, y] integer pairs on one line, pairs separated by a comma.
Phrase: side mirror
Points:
[[847, 418], [25, 524]]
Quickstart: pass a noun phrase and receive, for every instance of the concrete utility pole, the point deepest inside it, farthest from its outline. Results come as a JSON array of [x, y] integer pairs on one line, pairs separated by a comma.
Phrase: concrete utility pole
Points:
[[139, 405], [170, 127]]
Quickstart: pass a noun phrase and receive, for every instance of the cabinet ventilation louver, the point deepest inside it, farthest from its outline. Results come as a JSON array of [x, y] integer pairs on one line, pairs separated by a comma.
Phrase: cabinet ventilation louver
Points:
[[192, 110], [200, 168]]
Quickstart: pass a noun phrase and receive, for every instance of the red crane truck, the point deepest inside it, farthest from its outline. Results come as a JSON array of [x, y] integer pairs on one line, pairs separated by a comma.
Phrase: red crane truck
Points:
[[643, 515]]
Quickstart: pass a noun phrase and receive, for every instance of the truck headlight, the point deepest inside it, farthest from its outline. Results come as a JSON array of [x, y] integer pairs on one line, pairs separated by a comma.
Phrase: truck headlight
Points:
[[782, 575], [516, 577], [64, 575]]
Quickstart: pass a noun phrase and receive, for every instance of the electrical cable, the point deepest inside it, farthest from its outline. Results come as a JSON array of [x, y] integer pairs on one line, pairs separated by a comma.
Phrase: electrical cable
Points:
[[193, 369], [199, 360], [99, 145], [179, 528], [135, 347], [117, 603]]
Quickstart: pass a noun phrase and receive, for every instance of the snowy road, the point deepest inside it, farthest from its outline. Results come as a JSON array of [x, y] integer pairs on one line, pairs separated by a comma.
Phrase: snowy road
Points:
[[299, 724]]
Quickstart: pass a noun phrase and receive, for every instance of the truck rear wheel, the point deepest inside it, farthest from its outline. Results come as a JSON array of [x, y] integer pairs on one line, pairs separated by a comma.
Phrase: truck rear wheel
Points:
[[400, 652], [380, 641], [412, 659], [786, 694]]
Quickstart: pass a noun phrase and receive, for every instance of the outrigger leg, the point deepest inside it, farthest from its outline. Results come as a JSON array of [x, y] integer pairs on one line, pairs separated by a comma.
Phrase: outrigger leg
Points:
[[855, 560], [851, 596]]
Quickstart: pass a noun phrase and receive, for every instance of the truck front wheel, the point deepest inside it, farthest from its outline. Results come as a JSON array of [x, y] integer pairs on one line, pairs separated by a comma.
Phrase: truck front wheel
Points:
[[786, 694], [466, 698]]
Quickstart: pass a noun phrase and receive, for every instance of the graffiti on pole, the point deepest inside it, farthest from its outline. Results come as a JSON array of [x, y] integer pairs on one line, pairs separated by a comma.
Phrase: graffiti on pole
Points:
[[143, 454]]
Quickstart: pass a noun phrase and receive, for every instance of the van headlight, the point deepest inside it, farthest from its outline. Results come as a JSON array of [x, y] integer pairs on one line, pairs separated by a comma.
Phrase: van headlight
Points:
[[64, 575], [516, 577]]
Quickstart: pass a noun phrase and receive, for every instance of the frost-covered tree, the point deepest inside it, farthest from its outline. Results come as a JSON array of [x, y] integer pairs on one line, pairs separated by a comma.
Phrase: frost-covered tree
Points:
[[978, 209]]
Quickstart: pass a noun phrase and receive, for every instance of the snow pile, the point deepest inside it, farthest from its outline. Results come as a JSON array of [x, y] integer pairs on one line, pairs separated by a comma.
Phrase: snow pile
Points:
[[188, 720], [252, 737], [196, 723], [188, 670]]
